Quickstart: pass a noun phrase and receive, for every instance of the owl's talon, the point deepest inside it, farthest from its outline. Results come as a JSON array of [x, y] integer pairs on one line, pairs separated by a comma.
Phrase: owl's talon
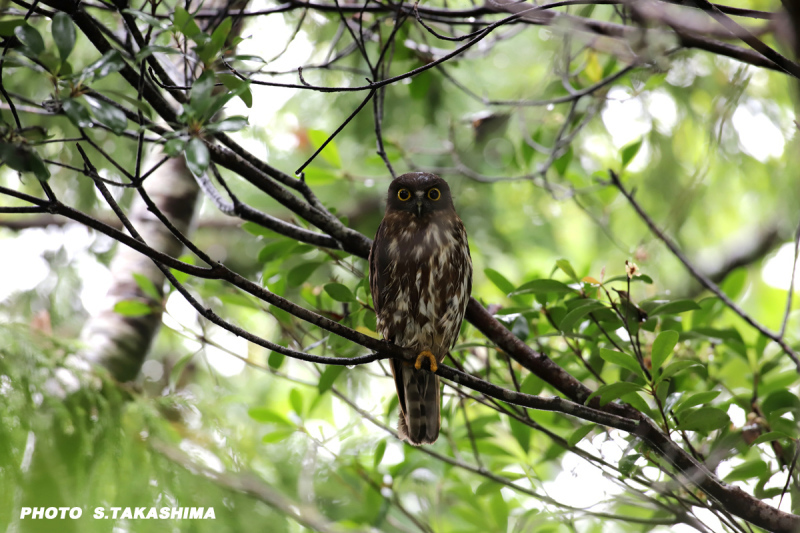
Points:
[[425, 354]]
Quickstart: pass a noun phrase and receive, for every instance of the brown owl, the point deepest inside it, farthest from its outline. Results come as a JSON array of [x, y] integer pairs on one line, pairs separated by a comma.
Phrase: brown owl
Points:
[[420, 274]]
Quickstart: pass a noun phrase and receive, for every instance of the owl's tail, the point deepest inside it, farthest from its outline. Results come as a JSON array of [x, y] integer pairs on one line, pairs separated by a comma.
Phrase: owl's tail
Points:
[[420, 416]]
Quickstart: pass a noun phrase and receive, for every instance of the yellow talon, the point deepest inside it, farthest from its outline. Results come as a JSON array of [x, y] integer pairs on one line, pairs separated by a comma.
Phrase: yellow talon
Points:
[[425, 354]]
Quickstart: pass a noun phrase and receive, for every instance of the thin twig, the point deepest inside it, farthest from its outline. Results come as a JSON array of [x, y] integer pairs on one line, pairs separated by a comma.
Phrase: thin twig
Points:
[[702, 278]]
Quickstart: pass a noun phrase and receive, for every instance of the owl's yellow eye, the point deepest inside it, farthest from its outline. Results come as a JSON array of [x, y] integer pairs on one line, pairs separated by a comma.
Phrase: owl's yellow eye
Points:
[[404, 195], [434, 194]]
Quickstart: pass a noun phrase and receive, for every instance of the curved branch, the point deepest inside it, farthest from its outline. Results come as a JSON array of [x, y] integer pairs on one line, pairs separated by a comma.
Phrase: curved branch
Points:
[[699, 276]]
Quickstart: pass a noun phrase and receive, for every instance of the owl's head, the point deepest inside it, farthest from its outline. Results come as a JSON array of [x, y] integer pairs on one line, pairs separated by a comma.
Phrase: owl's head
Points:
[[420, 194]]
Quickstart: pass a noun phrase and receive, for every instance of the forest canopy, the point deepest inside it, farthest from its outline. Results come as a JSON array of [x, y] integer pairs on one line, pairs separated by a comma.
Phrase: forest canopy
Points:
[[189, 192]]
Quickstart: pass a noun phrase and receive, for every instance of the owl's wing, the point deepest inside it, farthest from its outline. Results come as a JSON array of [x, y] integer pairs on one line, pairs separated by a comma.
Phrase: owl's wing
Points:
[[467, 263], [377, 265]]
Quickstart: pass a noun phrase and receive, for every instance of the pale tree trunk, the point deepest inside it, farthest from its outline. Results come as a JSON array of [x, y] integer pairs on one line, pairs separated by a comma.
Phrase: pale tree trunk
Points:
[[121, 343], [117, 342]]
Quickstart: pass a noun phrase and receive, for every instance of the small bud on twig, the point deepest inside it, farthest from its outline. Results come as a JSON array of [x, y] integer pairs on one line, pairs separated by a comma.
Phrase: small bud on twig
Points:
[[631, 269]]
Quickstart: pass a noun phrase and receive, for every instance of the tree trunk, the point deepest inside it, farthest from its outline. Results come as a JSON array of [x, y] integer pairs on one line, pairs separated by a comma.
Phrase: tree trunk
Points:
[[117, 342]]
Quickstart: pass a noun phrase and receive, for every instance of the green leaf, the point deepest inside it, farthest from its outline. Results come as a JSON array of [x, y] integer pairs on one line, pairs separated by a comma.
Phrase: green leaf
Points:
[[612, 391], [65, 69], [630, 151], [635, 399], [499, 509], [766, 494], [220, 35], [184, 23], [662, 389], [147, 286], [23, 158], [748, 470], [622, 359], [328, 376], [499, 281], [138, 104], [627, 463], [522, 433], [418, 88], [77, 112], [63, 34], [564, 265], [15, 156], [235, 123], [51, 62], [698, 398], [149, 50], [108, 115], [340, 292], [370, 321], [132, 308], [242, 300], [769, 437], [275, 360], [268, 416], [296, 401], [238, 86], [219, 101], [611, 63], [147, 19], [110, 62], [330, 153], [520, 327], [259, 231], [662, 347], [177, 369], [575, 316], [779, 402], [34, 134], [277, 436], [532, 384], [275, 250], [281, 315], [672, 400], [201, 94], [321, 176], [674, 308], [579, 433], [543, 286], [561, 164], [704, 419], [676, 367], [30, 37], [183, 277], [175, 147], [7, 27], [488, 487], [380, 449], [299, 274], [197, 156], [734, 282]]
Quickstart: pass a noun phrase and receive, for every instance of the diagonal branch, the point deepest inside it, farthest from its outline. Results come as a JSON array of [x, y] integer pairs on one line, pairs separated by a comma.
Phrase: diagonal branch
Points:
[[702, 278], [252, 485]]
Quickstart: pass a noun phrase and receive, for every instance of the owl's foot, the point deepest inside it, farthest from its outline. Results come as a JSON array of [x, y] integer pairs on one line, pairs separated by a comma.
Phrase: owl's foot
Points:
[[425, 354]]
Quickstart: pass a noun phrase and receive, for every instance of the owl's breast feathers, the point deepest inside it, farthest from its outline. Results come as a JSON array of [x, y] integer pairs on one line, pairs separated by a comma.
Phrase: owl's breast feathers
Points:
[[421, 280]]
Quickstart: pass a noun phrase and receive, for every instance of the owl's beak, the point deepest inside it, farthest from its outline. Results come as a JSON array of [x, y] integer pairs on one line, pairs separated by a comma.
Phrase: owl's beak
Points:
[[419, 207]]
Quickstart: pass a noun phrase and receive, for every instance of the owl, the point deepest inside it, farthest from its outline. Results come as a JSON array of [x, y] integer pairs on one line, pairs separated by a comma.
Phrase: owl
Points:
[[420, 274]]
